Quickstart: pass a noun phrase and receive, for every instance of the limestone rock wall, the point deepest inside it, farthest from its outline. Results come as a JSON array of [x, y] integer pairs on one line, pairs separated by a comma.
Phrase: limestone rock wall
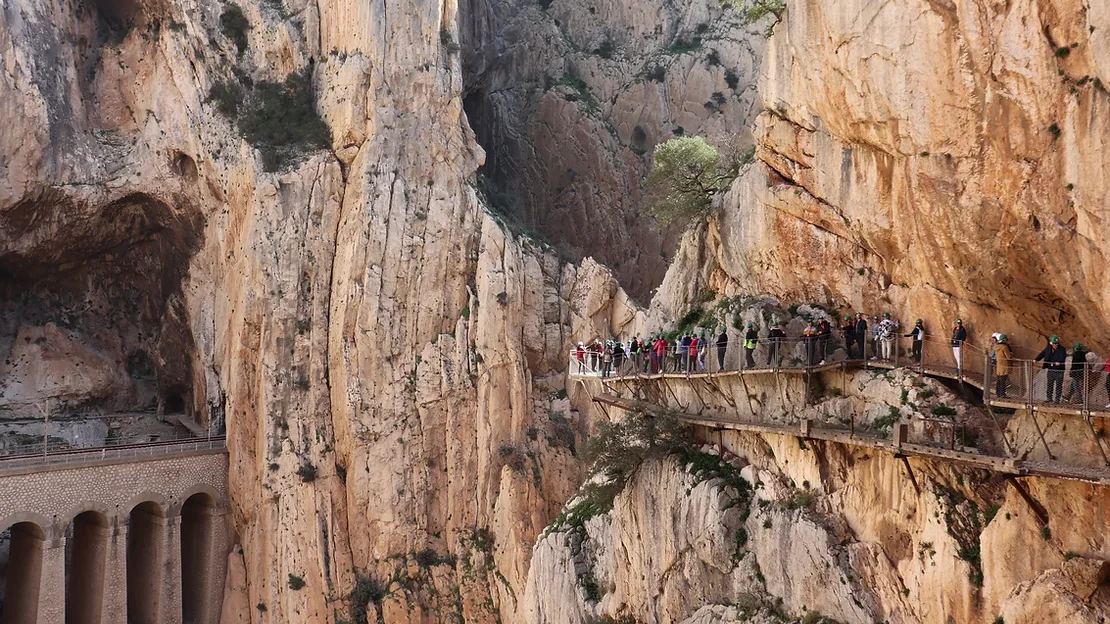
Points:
[[831, 530], [569, 98], [940, 160], [385, 356]]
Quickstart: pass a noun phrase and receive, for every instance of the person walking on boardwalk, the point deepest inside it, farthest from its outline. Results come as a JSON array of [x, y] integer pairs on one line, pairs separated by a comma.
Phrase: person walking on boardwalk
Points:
[[722, 348], [695, 345], [959, 336], [618, 357], [634, 354], [848, 328], [861, 334], [1077, 374], [1002, 356], [918, 335], [580, 355], [703, 348], [660, 354], [1054, 357], [751, 337], [776, 339]]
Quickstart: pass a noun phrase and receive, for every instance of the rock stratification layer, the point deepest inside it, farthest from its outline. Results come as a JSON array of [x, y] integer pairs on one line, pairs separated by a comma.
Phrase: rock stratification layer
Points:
[[937, 160]]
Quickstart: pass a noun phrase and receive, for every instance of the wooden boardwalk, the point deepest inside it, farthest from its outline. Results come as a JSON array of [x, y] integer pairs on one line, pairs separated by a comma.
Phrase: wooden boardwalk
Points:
[[896, 445], [972, 379]]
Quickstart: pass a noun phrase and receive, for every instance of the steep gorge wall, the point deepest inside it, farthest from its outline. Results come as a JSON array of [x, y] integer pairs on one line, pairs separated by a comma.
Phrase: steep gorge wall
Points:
[[935, 159], [387, 359], [570, 97]]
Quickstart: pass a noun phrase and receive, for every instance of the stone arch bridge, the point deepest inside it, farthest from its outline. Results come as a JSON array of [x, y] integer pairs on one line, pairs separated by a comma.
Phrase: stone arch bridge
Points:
[[96, 537]]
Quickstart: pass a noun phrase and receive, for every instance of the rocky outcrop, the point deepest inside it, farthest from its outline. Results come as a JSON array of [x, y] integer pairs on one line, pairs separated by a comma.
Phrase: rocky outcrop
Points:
[[569, 96], [830, 530], [936, 160]]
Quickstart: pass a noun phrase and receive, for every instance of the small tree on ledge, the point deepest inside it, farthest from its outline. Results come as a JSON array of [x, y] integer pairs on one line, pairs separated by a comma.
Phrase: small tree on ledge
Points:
[[686, 174]]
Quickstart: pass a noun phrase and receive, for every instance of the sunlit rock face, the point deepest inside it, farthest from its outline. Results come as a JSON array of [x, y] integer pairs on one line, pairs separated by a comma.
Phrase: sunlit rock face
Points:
[[937, 160]]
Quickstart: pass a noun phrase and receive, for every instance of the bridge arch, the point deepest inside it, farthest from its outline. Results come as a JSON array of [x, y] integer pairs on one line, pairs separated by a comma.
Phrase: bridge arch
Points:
[[86, 550], [147, 496], [146, 533], [43, 522], [198, 524], [22, 579], [87, 506]]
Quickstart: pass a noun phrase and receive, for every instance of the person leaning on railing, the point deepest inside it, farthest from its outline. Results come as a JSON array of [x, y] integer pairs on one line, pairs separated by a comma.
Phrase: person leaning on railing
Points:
[[1002, 356], [1054, 357]]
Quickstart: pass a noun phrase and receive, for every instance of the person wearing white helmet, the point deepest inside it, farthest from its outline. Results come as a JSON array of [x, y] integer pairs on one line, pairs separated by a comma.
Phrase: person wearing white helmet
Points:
[[1002, 355]]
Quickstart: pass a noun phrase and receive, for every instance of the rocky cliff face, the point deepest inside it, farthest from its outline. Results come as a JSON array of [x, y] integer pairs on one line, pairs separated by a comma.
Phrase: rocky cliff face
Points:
[[385, 355], [771, 528], [568, 97], [935, 159]]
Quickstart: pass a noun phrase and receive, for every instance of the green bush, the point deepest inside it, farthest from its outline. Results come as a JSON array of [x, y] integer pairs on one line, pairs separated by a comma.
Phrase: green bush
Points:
[[686, 174], [732, 79], [366, 590], [234, 25], [296, 582], [944, 410], [280, 120], [307, 472], [227, 95]]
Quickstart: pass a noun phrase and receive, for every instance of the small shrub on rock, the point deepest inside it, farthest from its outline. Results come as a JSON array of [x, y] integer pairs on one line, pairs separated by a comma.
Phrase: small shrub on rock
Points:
[[234, 25]]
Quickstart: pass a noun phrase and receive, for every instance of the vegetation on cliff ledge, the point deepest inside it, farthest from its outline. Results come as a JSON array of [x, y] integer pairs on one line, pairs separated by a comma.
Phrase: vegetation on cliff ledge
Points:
[[686, 174], [277, 118]]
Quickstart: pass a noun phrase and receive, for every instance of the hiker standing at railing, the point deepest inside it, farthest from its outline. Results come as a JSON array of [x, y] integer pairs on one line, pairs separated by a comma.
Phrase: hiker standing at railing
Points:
[[918, 335], [776, 339], [695, 344], [703, 347], [751, 337], [658, 355], [809, 336], [848, 328], [959, 336], [824, 332], [722, 349], [887, 331], [607, 359], [618, 356], [634, 354], [861, 334], [580, 355], [1054, 357], [684, 353], [1078, 369], [1002, 356]]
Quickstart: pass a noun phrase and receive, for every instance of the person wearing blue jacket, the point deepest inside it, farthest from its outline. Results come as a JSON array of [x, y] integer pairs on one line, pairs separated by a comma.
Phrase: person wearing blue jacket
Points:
[[1054, 357]]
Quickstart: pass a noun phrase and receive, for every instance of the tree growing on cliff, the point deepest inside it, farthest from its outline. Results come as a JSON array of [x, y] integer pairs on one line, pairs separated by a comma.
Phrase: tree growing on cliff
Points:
[[686, 174]]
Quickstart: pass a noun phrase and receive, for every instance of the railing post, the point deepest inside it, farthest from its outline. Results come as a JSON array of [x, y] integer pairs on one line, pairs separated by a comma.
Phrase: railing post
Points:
[[897, 347], [921, 359], [1086, 390], [1029, 384], [987, 379]]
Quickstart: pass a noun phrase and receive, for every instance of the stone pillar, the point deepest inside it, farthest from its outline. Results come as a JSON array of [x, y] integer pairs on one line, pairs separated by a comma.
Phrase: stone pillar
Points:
[[115, 574], [52, 594], [222, 542], [170, 604]]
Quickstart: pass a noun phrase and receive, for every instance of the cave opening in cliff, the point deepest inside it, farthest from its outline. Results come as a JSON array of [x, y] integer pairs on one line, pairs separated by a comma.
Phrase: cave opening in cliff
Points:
[[22, 573], [92, 315]]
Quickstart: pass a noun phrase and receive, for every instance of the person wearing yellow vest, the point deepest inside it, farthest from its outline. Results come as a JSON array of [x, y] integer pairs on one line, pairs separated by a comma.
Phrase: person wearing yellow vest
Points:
[[750, 340]]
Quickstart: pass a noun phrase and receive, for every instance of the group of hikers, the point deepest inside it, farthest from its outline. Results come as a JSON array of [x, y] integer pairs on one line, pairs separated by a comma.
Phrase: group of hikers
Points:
[[689, 352]]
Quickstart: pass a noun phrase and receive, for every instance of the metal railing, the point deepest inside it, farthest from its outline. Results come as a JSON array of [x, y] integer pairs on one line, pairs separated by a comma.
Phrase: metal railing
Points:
[[60, 453]]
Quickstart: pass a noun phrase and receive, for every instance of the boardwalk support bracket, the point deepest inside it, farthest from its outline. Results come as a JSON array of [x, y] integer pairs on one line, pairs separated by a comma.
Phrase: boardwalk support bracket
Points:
[[1036, 507], [909, 473]]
